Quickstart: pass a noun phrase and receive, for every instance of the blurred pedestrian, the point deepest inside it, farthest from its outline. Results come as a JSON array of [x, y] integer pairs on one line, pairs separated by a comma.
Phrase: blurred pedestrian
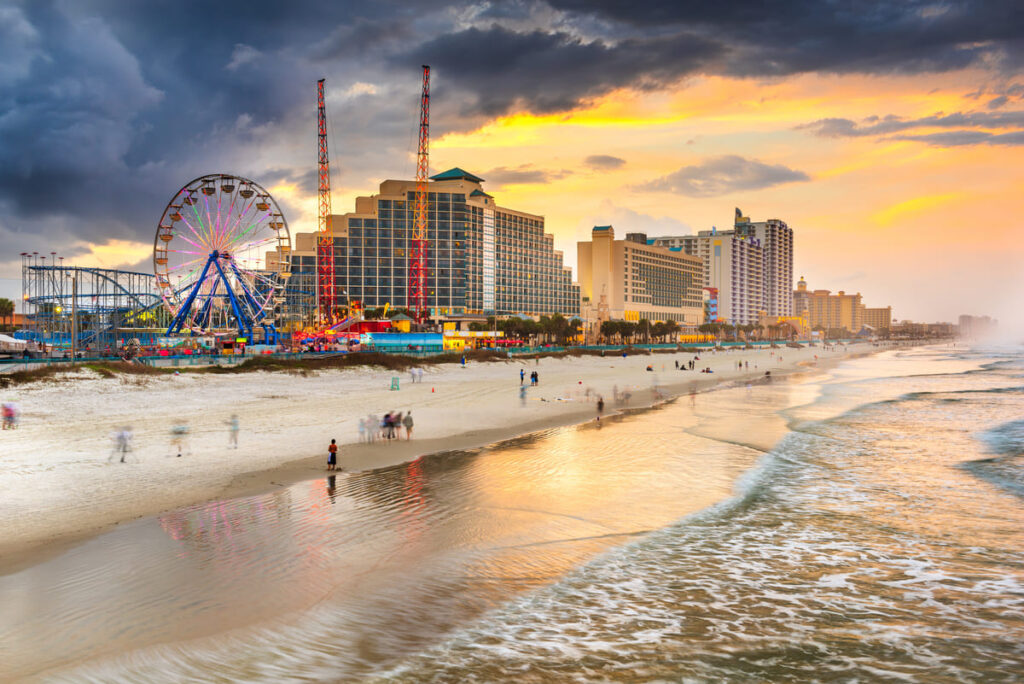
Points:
[[122, 443], [407, 422], [233, 428], [179, 438]]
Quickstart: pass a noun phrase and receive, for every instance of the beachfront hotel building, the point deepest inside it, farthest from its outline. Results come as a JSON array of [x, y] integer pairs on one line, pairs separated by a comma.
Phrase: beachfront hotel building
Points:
[[632, 279], [827, 310], [741, 297], [733, 268], [776, 240], [482, 258], [878, 318]]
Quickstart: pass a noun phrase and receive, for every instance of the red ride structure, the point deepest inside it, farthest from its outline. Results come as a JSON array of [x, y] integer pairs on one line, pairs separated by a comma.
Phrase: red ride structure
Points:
[[418, 273], [325, 298]]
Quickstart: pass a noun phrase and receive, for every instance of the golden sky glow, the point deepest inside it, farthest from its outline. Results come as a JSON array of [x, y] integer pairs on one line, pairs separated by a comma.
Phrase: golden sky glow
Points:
[[878, 215]]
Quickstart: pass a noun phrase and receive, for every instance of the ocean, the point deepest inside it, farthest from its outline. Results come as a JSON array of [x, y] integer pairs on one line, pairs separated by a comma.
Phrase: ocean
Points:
[[861, 524]]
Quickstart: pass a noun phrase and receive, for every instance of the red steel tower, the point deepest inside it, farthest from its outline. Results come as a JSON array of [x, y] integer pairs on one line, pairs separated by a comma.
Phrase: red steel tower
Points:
[[325, 298], [419, 286]]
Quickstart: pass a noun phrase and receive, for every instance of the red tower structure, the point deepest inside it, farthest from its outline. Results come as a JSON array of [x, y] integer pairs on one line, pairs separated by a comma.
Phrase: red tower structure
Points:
[[419, 285], [325, 299]]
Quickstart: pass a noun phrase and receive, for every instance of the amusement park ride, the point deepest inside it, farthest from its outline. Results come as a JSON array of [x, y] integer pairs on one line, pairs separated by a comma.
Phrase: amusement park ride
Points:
[[222, 251], [325, 299], [418, 273], [211, 254]]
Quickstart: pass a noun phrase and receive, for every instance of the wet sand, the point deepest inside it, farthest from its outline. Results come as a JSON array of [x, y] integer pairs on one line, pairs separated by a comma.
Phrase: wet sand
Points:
[[356, 570], [59, 510]]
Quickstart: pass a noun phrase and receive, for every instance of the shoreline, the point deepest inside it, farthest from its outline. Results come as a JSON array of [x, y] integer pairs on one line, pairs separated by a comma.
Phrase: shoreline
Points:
[[356, 457]]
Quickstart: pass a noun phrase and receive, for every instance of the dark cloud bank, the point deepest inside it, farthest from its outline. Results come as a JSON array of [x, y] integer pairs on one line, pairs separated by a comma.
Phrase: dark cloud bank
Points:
[[107, 107]]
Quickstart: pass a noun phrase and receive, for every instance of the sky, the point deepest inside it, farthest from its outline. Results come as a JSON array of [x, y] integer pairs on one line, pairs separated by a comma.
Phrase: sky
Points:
[[888, 135]]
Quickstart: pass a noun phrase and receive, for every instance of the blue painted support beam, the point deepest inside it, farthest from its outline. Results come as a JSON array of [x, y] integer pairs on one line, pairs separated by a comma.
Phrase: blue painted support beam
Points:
[[234, 305], [179, 317]]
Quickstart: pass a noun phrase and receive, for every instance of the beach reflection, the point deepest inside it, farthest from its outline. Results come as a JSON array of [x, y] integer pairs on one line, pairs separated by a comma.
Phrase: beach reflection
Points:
[[349, 573]]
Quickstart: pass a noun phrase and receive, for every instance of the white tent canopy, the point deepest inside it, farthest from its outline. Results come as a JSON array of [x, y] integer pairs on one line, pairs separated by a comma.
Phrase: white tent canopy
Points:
[[11, 343]]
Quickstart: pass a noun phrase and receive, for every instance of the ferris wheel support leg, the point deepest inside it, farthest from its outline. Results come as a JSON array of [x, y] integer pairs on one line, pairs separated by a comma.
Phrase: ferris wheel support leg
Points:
[[207, 311], [242, 323], [179, 318], [245, 291]]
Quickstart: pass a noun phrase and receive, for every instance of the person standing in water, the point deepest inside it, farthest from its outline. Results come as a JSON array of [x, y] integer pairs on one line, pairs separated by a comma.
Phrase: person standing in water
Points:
[[600, 407], [332, 455]]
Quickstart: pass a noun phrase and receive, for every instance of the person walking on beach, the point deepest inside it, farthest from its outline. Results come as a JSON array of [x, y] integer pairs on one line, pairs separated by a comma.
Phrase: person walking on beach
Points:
[[407, 422], [122, 443], [522, 395], [179, 438], [600, 407], [522, 376], [371, 428], [332, 455], [362, 430], [8, 415], [233, 431]]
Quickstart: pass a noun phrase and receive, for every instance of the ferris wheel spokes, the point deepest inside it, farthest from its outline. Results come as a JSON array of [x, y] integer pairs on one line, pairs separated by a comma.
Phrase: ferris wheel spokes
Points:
[[215, 238]]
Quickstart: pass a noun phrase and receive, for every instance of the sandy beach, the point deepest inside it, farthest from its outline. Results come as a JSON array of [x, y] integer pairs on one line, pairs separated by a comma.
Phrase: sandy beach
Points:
[[60, 484]]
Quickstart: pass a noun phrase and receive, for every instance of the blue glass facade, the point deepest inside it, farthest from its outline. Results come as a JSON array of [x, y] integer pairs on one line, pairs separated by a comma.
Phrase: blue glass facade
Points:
[[482, 259]]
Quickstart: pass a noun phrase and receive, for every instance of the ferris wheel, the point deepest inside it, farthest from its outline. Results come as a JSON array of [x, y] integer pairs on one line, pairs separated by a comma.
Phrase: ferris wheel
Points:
[[221, 255]]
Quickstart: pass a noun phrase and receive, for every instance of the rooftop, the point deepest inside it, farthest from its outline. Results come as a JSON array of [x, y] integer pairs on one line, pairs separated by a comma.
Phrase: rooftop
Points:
[[456, 174]]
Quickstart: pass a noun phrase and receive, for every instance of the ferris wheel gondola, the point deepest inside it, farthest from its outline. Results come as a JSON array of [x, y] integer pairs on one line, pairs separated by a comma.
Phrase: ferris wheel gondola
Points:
[[221, 255]]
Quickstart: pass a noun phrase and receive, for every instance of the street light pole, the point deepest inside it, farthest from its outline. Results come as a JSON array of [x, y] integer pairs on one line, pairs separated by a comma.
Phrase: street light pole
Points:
[[74, 316]]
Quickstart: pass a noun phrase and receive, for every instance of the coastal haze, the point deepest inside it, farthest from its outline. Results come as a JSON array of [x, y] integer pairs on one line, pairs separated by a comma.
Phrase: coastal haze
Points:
[[692, 351]]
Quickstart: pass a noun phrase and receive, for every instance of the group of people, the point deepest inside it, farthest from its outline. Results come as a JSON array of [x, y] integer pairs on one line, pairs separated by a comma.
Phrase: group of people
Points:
[[10, 415], [415, 375], [688, 365], [389, 427], [180, 438], [534, 377]]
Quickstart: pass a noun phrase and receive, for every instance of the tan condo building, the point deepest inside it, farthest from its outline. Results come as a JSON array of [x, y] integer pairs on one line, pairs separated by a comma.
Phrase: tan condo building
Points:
[[631, 280], [827, 310], [879, 318]]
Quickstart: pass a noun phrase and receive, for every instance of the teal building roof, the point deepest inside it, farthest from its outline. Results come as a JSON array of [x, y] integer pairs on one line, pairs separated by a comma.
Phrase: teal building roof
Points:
[[457, 174]]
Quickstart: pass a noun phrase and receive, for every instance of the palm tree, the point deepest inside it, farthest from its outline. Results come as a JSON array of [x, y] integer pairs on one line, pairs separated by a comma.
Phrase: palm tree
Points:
[[6, 310]]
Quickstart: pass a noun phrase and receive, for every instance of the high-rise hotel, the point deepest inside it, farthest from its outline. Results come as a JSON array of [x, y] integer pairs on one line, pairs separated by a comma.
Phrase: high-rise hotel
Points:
[[482, 258], [749, 267]]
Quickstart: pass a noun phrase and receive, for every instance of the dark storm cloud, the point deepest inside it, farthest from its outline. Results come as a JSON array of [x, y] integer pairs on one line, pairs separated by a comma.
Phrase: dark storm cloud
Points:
[[650, 45], [723, 175], [525, 174], [604, 162], [107, 107], [871, 36], [543, 71]]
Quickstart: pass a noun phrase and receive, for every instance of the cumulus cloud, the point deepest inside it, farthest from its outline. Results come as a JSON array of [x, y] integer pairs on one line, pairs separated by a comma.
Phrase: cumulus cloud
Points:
[[844, 128], [604, 162], [721, 175], [242, 54], [524, 174], [958, 138], [964, 125]]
